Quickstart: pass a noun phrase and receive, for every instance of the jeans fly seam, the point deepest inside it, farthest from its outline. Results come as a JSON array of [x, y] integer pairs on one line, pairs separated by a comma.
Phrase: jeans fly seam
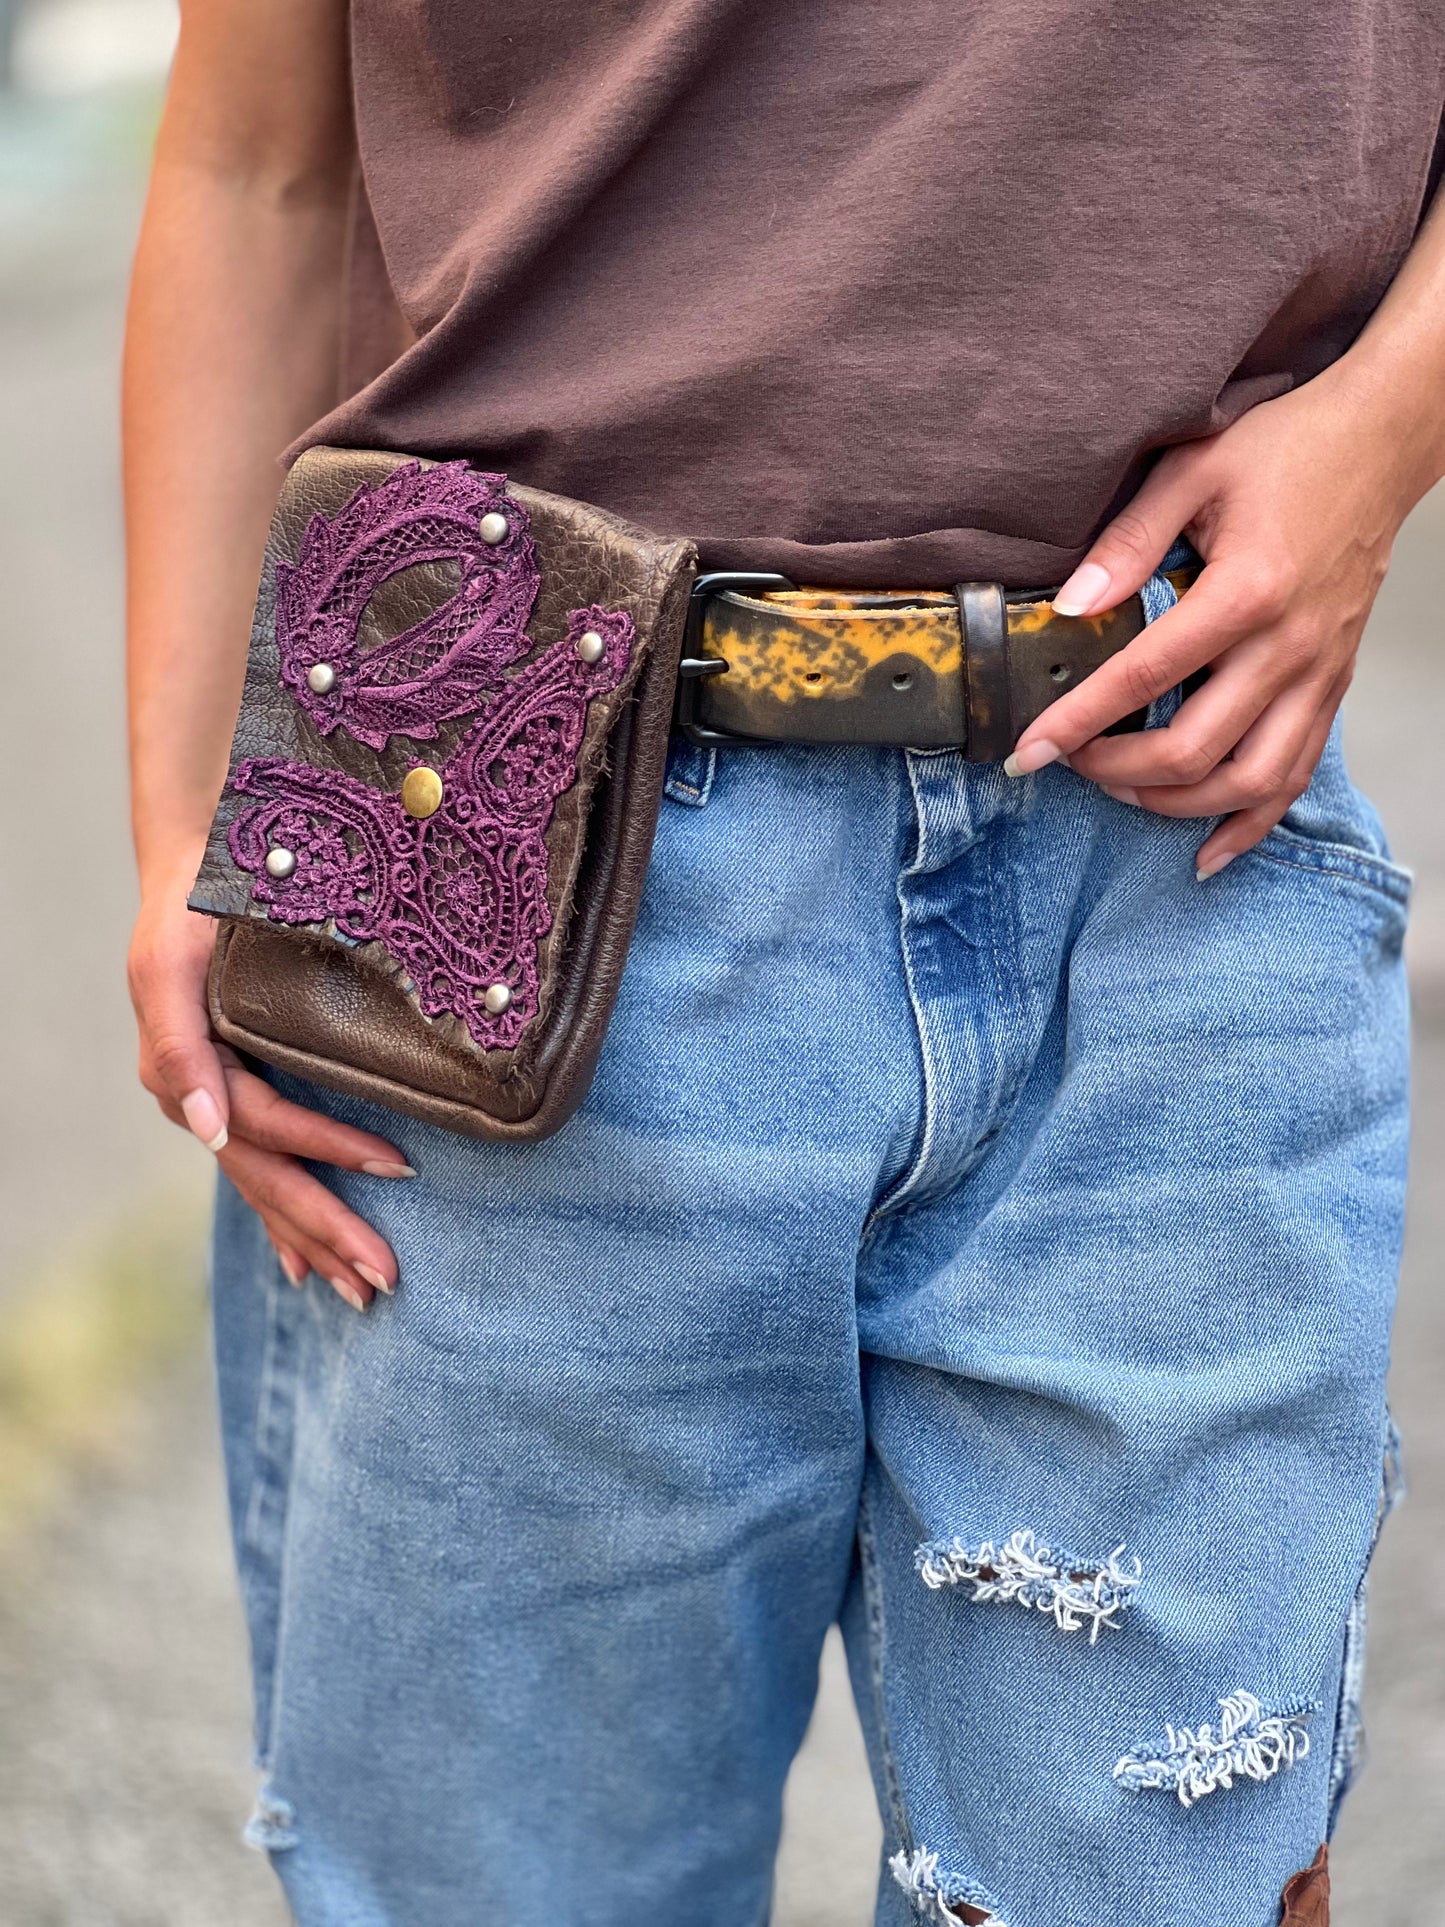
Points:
[[1007, 1085], [874, 1624], [1009, 995], [913, 1170]]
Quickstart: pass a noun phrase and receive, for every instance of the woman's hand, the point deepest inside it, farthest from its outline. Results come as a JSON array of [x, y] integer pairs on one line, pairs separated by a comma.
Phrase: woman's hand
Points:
[[258, 1137], [1294, 509]]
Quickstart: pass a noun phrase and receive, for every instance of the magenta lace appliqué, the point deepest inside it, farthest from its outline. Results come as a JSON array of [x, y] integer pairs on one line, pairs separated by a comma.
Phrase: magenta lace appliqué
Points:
[[458, 898], [442, 666]]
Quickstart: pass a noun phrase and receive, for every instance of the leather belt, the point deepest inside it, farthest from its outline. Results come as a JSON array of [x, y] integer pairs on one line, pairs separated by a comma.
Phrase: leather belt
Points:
[[968, 668]]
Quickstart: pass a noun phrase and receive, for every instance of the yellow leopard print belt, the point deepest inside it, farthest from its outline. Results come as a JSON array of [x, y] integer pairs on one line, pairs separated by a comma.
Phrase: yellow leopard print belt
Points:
[[819, 665]]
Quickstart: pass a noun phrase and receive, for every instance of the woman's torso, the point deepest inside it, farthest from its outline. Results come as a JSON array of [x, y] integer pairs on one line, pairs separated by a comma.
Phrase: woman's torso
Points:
[[874, 294]]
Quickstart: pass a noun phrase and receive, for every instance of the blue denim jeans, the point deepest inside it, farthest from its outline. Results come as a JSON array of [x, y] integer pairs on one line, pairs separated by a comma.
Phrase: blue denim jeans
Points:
[[978, 1232]]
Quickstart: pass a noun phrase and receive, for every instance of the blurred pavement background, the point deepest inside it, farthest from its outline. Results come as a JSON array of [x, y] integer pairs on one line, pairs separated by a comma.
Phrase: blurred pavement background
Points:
[[123, 1719]]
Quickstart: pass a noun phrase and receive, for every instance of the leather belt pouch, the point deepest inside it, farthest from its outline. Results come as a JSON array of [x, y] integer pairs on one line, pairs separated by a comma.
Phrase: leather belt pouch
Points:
[[430, 849]]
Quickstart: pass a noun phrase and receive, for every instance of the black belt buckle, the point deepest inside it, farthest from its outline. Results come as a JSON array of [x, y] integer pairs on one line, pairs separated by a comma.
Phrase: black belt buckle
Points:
[[694, 668]]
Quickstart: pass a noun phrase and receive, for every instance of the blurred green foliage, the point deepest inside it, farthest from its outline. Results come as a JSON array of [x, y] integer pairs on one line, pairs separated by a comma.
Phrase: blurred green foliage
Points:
[[88, 1334]]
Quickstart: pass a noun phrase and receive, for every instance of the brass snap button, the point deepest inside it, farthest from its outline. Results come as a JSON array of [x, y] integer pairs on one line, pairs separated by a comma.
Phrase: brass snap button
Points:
[[421, 792]]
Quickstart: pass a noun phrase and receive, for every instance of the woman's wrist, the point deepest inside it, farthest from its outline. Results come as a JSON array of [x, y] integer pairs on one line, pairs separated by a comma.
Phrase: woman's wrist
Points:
[[167, 867], [1393, 377], [1396, 410], [1394, 374]]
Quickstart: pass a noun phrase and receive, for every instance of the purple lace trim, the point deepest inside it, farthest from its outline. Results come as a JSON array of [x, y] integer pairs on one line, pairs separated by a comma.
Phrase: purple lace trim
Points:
[[459, 898], [441, 667]]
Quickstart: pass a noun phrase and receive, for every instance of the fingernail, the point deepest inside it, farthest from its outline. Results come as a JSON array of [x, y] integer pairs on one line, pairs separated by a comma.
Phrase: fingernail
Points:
[[1211, 866], [1084, 589], [290, 1267], [203, 1116], [1122, 794], [1036, 755], [374, 1279], [377, 1168], [352, 1297]]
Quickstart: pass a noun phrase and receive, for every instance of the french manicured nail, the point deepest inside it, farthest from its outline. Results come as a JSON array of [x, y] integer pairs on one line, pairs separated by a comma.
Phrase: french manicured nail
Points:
[[375, 1279], [379, 1168], [203, 1116], [352, 1297], [1084, 589], [294, 1269], [1211, 866], [1036, 755], [1122, 794]]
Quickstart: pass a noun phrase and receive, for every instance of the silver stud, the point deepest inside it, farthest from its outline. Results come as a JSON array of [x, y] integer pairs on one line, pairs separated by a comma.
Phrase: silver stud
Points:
[[280, 863], [590, 646], [494, 528], [321, 677], [497, 999]]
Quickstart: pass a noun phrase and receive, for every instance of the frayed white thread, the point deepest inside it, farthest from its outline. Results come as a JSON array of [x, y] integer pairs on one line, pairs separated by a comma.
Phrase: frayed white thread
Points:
[[1196, 1762], [1077, 1592], [917, 1875], [272, 1826]]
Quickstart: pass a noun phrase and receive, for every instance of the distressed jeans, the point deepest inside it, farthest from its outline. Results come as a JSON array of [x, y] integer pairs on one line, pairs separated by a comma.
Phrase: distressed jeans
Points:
[[978, 1232]]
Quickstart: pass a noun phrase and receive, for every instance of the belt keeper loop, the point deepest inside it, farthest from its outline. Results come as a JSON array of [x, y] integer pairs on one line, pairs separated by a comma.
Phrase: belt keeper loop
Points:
[[988, 704]]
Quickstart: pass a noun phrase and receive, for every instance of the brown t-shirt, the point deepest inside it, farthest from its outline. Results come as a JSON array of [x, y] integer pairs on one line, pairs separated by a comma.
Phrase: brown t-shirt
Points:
[[874, 292]]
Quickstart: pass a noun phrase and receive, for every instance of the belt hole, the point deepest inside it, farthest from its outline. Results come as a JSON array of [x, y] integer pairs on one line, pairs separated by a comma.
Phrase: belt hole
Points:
[[903, 680], [1061, 672]]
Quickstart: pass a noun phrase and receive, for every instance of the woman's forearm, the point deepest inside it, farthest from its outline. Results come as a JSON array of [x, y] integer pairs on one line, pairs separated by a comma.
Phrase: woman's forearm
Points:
[[1395, 372], [231, 349]]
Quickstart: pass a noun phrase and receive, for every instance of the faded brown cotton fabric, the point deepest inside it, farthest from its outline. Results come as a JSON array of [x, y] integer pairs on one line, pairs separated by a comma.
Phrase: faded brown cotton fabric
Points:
[[874, 292]]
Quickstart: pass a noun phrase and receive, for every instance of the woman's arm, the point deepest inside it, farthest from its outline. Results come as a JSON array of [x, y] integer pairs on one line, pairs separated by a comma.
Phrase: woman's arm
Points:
[[232, 348], [1294, 509]]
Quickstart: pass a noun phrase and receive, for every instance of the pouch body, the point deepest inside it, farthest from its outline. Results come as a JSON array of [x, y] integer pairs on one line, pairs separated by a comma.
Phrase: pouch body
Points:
[[374, 965]]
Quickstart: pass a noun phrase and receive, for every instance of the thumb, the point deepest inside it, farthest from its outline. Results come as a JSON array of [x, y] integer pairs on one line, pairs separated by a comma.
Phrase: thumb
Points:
[[1132, 546]]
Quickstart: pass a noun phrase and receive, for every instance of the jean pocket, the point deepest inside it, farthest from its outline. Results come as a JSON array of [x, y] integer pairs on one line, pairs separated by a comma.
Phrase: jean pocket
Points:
[[1333, 830], [1345, 861]]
